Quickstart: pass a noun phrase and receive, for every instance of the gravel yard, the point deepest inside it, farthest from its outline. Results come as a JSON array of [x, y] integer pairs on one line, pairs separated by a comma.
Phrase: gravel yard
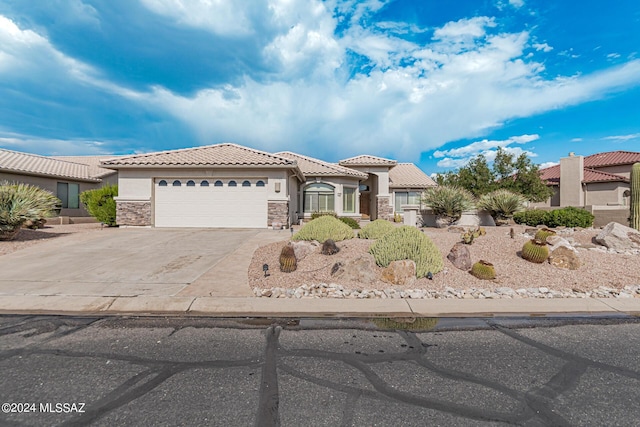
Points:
[[598, 268], [28, 237]]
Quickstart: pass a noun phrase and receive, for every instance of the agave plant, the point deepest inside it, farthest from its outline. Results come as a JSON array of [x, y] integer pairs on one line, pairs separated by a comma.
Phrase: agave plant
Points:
[[20, 203], [448, 203], [502, 204]]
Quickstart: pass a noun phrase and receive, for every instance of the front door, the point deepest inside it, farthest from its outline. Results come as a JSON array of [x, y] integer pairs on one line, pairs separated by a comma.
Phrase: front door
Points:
[[365, 210]]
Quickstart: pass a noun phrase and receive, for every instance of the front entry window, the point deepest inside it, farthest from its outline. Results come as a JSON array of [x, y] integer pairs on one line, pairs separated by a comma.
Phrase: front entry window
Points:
[[69, 195], [406, 198], [349, 200], [319, 198]]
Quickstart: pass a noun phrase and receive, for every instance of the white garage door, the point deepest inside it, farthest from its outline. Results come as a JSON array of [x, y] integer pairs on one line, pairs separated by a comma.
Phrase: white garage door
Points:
[[191, 202]]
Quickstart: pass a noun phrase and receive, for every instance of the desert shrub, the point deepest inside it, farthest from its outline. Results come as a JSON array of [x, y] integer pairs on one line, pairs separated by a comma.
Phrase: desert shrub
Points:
[[100, 204], [24, 202], [350, 222], [323, 228], [376, 229], [501, 204], [569, 217], [531, 217], [318, 214], [449, 202], [408, 242]]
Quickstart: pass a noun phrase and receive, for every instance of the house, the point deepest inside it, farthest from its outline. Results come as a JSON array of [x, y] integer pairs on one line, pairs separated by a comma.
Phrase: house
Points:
[[600, 179], [228, 185], [65, 176]]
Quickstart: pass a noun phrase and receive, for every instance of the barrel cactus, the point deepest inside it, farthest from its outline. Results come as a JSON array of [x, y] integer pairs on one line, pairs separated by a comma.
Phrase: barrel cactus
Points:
[[288, 262], [635, 196], [535, 250], [543, 233], [483, 270], [408, 242]]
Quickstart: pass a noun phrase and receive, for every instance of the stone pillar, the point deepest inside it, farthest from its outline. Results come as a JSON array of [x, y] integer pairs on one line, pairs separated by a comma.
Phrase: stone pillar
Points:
[[384, 208], [278, 212], [136, 213]]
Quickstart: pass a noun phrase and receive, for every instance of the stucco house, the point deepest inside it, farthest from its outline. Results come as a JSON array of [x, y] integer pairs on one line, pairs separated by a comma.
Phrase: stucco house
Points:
[[600, 179], [64, 176], [228, 185]]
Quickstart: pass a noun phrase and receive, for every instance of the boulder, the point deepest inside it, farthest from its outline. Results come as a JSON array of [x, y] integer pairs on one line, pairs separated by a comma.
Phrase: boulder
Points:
[[362, 269], [304, 248], [460, 256], [401, 272], [564, 257], [556, 242], [329, 248], [619, 237]]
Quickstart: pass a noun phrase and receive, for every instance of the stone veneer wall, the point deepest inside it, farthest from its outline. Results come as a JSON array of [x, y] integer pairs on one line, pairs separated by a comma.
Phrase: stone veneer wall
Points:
[[278, 212], [385, 211], [133, 213]]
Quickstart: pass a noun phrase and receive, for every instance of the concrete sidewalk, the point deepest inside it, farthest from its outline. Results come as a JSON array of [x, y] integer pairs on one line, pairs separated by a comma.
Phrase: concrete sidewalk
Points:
[[311, 307]]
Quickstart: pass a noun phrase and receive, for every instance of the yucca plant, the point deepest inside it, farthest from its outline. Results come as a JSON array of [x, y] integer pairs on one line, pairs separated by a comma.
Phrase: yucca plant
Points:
[[20, 203], [448, 203], [502, 205]]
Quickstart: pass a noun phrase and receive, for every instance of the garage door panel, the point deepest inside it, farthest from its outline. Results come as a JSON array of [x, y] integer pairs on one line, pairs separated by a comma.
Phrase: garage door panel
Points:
[[237, 207]]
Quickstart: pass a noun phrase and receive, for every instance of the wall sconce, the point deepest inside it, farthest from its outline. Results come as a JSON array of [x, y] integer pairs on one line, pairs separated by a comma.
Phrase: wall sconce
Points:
[[277, 187], [265, 268]]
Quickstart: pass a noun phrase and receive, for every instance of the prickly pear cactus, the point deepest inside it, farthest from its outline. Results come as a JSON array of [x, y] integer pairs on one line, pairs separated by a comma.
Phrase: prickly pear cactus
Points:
[[535, 250], [635, 196]]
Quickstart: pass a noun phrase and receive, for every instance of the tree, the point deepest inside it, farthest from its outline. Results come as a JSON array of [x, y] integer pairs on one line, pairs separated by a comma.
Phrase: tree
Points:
[[526, 180], [476, 177]]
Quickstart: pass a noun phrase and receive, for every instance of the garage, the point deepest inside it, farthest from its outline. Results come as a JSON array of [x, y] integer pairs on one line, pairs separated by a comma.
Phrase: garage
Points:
[[204, 202]]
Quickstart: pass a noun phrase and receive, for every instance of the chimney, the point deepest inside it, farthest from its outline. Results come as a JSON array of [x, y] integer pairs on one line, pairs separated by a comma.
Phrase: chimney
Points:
[[571, 176]]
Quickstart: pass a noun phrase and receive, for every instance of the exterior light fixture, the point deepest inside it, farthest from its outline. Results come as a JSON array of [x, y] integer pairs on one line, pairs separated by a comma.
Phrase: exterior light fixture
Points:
[[430, 276], [265, 268]]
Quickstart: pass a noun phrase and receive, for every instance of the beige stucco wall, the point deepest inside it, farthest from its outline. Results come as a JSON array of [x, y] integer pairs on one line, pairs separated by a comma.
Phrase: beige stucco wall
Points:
[[605, 193], [51, 185], [623, 170], [571, 177]]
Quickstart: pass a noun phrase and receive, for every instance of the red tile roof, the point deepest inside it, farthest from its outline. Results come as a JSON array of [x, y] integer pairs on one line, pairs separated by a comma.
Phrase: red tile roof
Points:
[[552, 175], [611, 158]]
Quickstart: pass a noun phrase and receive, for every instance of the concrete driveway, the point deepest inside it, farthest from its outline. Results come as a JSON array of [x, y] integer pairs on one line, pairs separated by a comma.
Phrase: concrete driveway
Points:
[[134, 262]]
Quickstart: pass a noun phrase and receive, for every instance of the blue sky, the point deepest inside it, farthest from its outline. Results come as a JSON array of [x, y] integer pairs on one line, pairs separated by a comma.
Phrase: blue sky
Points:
[[426, 81]]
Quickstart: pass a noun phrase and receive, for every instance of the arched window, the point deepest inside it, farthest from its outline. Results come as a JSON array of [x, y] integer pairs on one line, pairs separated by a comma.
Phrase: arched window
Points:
[[218, 183], [319, 197], [246, 184], [260, 184], [177, 183], [162, 183], [204, 183], [232, 184], [190, 183]]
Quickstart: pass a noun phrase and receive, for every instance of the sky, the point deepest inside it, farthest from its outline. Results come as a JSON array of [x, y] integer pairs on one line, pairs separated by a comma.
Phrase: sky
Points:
[[425, 81]]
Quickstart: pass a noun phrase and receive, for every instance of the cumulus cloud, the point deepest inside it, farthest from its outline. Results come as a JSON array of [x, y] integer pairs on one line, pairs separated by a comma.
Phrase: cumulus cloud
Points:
[[51, 147], [460, 156], [543, 47]]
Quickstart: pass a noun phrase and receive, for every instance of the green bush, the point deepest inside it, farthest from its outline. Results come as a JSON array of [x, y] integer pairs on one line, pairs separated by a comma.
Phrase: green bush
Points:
[[376, 229], [531, 217], [448, 202], [100, 204], [501, 204], [408, 242], [323, 228], [569, 217], [22, 202], [350, 222], [318, 214]]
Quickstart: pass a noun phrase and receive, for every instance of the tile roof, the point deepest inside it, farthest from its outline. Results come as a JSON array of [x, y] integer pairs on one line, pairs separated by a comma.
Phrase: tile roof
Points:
[[33, 164], [408, 175], [611, 158], [552, 175], [226, 154], [367, 160], [93, 162], [312, 167]]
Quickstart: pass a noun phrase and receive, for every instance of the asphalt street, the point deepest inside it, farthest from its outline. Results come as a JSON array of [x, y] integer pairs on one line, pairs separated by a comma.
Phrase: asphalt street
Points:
[[119, 371]]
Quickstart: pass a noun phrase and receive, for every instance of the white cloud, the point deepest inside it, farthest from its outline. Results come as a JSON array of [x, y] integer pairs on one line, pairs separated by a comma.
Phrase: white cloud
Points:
[[52, 147], [543, 47], [460, 156], [547, 165], [576, 139], [516, 3], [464, 28], [622, 137]]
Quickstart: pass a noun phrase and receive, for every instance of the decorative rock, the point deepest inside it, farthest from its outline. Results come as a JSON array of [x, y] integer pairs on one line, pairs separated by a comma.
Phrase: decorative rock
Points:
[[362, 270], [556, 242], [460, 257], [303, 248], [456, 229], [329, 247], [400, 272], [564, 257], [619, 237]]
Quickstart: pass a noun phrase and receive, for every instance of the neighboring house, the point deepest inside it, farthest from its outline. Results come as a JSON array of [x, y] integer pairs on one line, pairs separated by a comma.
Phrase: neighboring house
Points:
[[598, 180], [66, 177], [228, 185]]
